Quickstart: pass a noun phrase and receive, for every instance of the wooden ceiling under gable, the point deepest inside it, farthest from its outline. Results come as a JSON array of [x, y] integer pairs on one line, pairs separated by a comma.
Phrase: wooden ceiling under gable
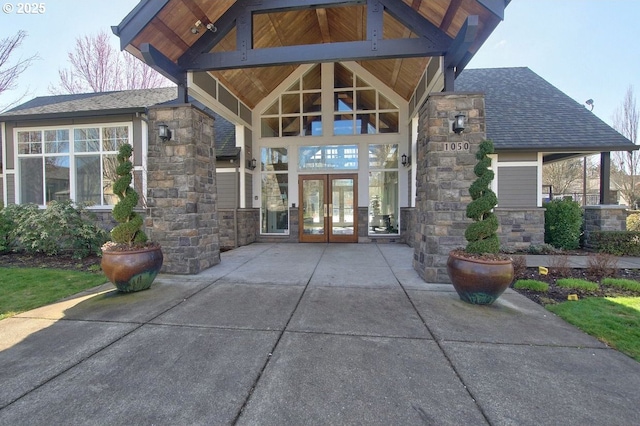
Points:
[[167, 27]]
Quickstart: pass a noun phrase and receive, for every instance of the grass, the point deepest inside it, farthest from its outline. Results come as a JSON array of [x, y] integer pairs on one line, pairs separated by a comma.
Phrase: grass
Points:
[[613, 320], [533, 285], [22, 289], [576, 284], [622, 284]]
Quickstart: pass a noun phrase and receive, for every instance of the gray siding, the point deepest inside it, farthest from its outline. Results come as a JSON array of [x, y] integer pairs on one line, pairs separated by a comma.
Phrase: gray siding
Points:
[[11, 189], [227, 184], [248, 190], [1, 189], [517, 186], [517, 156]]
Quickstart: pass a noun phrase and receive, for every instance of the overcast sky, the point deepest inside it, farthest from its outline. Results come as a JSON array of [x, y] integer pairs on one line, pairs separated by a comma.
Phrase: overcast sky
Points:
[[586, 48]]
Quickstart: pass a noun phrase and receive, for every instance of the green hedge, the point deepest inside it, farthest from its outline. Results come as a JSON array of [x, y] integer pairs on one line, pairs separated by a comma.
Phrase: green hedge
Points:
[[618, 243], [563, 224], [61, 228]]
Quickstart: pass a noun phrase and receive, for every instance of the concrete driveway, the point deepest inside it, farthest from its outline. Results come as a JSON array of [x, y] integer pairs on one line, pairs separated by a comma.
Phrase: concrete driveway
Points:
[[289, 334]]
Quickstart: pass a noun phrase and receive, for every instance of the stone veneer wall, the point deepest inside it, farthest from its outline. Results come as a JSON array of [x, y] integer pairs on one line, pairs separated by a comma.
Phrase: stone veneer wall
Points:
[[604, 218], [247, 227], [443, 179], [520, 228], [181, 189], [408, 225]]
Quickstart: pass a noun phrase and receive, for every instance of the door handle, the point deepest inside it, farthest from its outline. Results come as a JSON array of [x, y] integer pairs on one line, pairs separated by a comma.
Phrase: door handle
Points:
[[330, 210], [325, 210]]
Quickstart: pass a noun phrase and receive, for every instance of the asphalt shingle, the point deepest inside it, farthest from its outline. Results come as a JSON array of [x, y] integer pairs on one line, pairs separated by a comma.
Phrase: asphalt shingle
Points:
[[524, 111]]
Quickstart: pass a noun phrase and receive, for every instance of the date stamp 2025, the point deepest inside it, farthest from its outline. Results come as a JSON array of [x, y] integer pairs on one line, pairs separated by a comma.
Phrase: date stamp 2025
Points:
[[24, 8]]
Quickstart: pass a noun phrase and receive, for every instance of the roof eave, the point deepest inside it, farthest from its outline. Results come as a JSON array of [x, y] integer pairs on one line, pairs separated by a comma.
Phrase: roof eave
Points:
[[72, 114]]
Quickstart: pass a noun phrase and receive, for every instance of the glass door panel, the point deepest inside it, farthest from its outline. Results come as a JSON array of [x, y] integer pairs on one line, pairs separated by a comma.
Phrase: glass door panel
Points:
[[342, 208], [328, 211], [313, 209]]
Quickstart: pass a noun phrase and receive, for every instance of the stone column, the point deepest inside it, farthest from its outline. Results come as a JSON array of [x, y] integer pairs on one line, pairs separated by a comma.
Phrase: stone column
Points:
[[611, 217], [181, 189], [444, 173]]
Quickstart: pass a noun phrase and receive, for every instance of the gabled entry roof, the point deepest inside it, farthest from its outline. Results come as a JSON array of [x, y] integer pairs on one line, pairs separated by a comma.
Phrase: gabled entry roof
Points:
[[526, 112], [252, 46]]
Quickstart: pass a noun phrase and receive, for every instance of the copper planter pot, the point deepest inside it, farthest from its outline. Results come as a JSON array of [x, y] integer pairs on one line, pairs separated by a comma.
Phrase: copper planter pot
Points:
[[132, 270], [479, 281]]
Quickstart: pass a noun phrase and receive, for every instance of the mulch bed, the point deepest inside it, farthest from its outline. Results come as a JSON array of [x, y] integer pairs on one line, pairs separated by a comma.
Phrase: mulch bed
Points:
[[557, 294], [21, 260]]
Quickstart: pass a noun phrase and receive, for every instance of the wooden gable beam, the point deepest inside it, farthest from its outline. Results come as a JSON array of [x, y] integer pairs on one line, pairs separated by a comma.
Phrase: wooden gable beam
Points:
[[137, 20], [432, 41], [333, 52], [165, 66], [416, 22], [459, 51]]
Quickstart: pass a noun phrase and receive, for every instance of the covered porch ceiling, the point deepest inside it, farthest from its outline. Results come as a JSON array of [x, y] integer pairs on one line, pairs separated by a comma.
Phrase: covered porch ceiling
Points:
[[252, 46]]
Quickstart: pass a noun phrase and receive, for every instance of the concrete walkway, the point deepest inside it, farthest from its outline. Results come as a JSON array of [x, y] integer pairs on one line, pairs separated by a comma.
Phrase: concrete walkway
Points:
[[297, 334]]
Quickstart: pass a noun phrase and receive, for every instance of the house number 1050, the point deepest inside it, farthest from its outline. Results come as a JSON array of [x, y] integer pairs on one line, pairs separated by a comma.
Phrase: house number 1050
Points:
[[456, 146]]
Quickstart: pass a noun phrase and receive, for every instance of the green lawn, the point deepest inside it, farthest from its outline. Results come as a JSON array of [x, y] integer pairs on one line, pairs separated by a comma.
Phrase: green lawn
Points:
[[22, 289], [613, 320]]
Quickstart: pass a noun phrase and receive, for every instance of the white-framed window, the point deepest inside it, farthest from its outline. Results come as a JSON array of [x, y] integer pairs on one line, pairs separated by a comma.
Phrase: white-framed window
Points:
[[70, 162], [298, 110], [384, 207], [274, 173], [358, 108]]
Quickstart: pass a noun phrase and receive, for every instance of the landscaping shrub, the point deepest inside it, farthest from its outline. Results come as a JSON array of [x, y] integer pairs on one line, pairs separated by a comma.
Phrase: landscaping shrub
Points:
[[562, 224], [602, 265], [59, 229], [542, 249], [481, 235], [576, 284], [559, 265], [618, 243], [533, 285], [633, 222], [622, 283]]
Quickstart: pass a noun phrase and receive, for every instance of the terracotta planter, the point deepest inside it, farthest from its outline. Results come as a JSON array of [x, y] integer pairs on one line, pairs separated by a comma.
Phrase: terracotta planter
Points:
[[479, 281], [132, 270]]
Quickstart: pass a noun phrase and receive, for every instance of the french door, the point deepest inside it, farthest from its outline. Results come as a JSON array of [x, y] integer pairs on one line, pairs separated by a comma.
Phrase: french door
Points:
[[328, 208]]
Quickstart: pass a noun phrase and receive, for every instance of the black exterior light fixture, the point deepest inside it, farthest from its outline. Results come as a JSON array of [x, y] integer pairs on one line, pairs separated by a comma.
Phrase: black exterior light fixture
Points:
[[406, 161], [253, 163], [458, 123], [590, 103], [163, 132]]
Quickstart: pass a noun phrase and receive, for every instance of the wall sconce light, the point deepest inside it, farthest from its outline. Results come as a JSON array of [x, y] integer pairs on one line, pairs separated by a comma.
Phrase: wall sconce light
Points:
[[406, 161], [458, 124], [253, 163], [164, 133]]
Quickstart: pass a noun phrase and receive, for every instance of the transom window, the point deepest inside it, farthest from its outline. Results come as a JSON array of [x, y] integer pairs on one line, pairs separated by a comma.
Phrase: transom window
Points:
[[69, 163]]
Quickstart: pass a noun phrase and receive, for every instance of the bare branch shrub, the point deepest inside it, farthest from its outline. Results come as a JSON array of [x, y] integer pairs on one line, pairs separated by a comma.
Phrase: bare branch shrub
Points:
[[519, 266], [559, 265], [602, 265]]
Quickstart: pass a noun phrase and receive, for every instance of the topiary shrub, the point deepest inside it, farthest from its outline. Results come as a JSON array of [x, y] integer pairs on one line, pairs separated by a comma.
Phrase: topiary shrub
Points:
[[129, 229], [481, 235], [563, 224]]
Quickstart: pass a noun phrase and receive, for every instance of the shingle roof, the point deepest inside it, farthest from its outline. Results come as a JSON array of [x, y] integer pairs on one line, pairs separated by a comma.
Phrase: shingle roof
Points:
[[108, 103], [89, 103], [524, 111]]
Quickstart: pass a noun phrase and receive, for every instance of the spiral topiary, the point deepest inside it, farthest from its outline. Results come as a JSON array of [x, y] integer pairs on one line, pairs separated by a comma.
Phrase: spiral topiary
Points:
[[481, 235], [129, 229]]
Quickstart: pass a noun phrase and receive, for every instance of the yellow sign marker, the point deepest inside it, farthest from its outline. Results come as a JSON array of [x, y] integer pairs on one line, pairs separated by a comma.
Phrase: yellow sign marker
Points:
[[542, 270], [572, 297]]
